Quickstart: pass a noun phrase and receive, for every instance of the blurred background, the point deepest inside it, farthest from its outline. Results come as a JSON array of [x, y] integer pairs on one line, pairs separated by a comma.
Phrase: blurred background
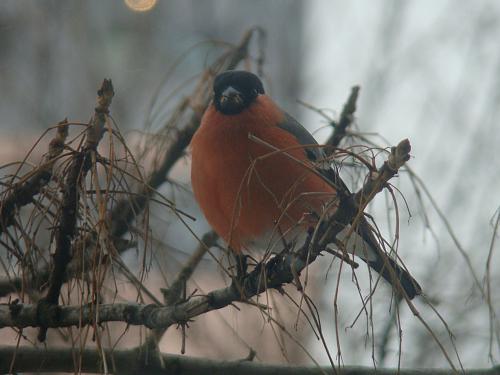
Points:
[[429, 70]]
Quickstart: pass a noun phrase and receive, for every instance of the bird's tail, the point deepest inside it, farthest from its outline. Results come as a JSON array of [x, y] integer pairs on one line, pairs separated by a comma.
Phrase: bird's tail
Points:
[[363, 244], [389, 270]]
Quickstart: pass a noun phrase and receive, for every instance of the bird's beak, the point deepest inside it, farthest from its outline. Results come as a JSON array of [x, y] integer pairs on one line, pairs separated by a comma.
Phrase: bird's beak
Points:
[[231, 96]]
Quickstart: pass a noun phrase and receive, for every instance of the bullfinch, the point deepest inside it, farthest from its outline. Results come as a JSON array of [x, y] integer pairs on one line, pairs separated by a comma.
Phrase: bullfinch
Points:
[[261, 179]]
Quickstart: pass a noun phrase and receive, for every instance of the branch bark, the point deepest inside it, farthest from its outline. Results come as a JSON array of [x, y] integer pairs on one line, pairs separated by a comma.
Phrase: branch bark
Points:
[[78, 169], [282, 269], [131, 361]]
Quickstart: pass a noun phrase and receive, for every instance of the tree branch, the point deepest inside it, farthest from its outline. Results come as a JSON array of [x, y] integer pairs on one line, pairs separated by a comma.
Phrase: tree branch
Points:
[[346, 118], [131, 361], [173, 293], [78, 169], [126, 210], [397, 158], [281, 269], [22, 192]]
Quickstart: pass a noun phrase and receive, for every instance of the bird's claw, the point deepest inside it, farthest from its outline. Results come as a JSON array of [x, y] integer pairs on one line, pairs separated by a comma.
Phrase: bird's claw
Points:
[[241, 266]]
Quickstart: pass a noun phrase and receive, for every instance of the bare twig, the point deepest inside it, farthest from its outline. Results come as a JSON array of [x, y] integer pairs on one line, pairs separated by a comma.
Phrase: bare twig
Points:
[[390, 323], [78, 169], [22, 192], [173, 293], [346, 119], [279, 270], [494, 329], [126, 210], [176, 293], [397, 158]]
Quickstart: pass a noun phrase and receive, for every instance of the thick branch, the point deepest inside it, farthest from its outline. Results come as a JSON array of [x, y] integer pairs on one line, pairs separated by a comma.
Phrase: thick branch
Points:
[[131, 361], [279, 270]]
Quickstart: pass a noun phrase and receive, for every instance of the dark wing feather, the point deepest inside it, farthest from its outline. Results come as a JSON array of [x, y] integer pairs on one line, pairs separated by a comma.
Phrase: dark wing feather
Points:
[[314, 152], [382, 263], [293, 127]]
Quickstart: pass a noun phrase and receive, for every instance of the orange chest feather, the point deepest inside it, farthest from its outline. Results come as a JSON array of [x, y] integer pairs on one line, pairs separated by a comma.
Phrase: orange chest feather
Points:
[[227, 146], [243, 186]]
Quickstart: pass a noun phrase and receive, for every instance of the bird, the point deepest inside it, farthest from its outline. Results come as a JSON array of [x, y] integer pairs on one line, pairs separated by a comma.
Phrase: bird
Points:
[[260, 177]]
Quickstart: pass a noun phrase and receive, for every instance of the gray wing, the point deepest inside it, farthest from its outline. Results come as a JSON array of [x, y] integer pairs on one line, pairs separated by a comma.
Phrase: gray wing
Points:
[[305, 138], [314, 153], [362, 241]]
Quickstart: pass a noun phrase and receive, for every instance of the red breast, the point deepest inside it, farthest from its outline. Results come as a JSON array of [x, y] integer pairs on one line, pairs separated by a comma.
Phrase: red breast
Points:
[[244, 186]]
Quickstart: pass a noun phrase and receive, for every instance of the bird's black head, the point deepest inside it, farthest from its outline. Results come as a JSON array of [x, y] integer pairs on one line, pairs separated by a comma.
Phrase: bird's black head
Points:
[[235, 90]]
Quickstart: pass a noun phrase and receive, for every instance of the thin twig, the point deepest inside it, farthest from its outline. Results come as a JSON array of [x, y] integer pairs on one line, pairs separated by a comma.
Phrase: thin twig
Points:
[[346, 119], [126, 210], [79, 167], [173, 293], [277, 271], [23, 192]]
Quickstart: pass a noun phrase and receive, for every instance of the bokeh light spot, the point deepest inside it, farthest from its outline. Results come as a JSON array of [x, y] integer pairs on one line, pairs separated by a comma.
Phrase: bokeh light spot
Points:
[[140, 5]]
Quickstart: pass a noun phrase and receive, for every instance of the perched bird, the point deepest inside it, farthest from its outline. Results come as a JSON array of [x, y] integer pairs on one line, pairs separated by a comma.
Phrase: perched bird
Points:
[[261, 179]]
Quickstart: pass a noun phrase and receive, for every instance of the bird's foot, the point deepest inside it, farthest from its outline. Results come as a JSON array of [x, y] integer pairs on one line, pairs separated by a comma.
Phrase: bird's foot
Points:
[[241, 266], [241, 273]]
